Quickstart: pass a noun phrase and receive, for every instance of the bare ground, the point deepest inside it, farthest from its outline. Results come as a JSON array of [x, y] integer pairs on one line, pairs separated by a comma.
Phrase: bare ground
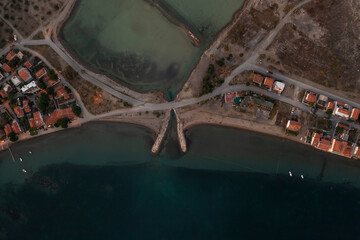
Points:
[[6, 34]]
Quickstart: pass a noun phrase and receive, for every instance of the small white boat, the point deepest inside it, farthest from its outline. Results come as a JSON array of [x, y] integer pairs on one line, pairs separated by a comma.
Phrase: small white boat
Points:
[[302, 176], [24, 170], [290, 173], [21, 160], [30, 152]]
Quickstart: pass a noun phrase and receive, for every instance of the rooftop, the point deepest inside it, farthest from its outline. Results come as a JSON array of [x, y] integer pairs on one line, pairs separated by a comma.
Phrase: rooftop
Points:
[[18, 111], [355, 114], [268, 82], [310, 98], [40, 73], [293, 126], [10, 55], [258, 79], [24, 74]]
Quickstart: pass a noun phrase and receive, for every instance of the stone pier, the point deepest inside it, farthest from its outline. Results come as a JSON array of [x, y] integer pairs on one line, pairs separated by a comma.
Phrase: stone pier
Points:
[[160, 137], [180, 131]]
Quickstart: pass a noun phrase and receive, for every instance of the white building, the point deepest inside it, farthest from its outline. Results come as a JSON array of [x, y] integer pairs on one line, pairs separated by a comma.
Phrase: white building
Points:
[[15, 80], [30, 88], [278, 87]]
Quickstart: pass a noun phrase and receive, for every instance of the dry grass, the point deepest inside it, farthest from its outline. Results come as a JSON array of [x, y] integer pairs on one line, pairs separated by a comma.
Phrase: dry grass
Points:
[[6, 34]]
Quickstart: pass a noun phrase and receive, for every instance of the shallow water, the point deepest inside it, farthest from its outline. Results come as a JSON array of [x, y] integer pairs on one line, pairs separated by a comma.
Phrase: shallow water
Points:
[[231, 184], [133, 42]]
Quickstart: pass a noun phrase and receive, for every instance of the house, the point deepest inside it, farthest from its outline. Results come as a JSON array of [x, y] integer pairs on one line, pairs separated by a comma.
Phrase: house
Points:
[[10, 56], [41, 73], [61, 92], [19, 112], [315, 139], [26, 106], [38, 120], [355, 114], [323, 145], [341, 110], [58, 114], [7, 88], [1, 76], [24, 74], [322, 101], [278, 87], [330, 106], [16, 127], [3, 94], [268, 82], [310, 98], [27, 64], [293, 126], [20, 55], [6, 67], [49, 82], [340, 148], [30, 88], [258, 79], [357, 152], [15, 80], [32, 123], [249, 100], [7, 129]]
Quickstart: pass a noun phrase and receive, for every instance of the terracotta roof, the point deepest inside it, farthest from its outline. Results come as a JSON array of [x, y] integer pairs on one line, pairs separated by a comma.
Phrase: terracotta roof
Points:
[[26, 106], [330, 106], [268, 82], [347, 151], [324, 145], [40, 73], [19, 112], [24, 74], [15, 127], [343, 111], [10, 55], [341, 148], [58, 114], [357, 152], [3, 94], [6, 67], [344, 126], [355, 114], [310, 98], [293, 126], [48, 81], [258, 79], [315, 139], [61, 92], [38, 119], [27, 64], [7, 129], [32, 123], [340, 104]]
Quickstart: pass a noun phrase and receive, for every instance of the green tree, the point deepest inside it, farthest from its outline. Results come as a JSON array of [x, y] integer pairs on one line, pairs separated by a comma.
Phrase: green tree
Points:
[[52, 75], [13, 137], [76, 110], [41, 84], [67, 89], [33, 131], [329, 112], [43, 102], [50, 90], [62, 122]]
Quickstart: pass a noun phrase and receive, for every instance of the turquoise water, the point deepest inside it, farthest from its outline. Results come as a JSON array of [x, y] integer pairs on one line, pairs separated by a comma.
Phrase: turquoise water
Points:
[[232, 184], [134, 43]]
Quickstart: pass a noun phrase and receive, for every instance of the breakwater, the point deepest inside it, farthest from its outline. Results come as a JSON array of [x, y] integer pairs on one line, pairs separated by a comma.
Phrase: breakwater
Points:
[[175, 18], [180, 132], [161, 134]]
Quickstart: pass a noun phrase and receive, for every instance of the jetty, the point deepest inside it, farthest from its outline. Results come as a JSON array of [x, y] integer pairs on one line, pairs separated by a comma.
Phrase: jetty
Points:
[[180, 131], [160, 137], [175, 18], [12, 156]]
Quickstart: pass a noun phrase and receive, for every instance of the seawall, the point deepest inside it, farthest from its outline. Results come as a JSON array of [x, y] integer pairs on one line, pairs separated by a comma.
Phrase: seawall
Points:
[[180, 131], [175, 18], [160, 137]]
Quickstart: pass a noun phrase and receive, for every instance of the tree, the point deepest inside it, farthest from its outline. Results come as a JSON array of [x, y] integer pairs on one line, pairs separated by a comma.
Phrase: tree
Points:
[[33, 131], [50, 90], [76, 110], [13, 137], [67, 89], [62, 122], [41, 84], [329, 112], [52, 75], [43, 102]]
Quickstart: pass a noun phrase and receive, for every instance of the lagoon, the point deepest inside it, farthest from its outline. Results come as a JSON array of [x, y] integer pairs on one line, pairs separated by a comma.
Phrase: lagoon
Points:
[[110, 186]]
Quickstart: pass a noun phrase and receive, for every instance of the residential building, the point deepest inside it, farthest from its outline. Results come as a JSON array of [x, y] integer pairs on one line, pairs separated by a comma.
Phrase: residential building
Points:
[[38, 120], [30, 88], [268, 82], [7, 129], [26, 106], [19, 112], [3, 94], [7, 88], [341, 110], [310, 98], [27, 64], [315, 139], [324, 145], [58, 114], [16, 127], [278, 87], [6, 67], [15, 80], [49, 82], [322, 101], [24, 74], [61, 92], [355, 114], [293, 126], [10, 56], [41, 73], [357, 152], [258, 79], [340, 148], [330, 106]]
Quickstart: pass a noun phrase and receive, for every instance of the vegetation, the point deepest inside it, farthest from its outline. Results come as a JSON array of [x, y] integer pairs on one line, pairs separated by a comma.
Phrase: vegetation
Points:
[[67, 89], [329, 112], [13, 137], [220, 62], [52, 75], [128, 105], [33, 131], [62, 122], [41, 84], [50, 90], [43, 102], [76, 110], [210, 81]]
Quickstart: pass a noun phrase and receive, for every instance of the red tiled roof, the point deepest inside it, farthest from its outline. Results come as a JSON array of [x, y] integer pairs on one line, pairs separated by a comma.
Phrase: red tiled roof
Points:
[[7, 129], [27, 64], [26, 106], [40, 73], [341, 148], [48, 81], [19, 112], [355, 114], [310, 98], [61, 92], [32, 123], [38, 119], [343, 111], [268, 82], [315, 139], [258, 79], [15, 127], [330, 106], [357, 152], [58, 114], [347, 151], [340, 104], [6, 67], [24, 74], [3, 94], [10, 55], [344, 126], [324, 145], [293, 126]]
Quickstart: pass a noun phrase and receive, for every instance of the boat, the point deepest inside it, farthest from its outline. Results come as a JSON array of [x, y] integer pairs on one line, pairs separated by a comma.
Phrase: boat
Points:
[[21, 160], [30, 152], [290, 173], [24, 170], [302, 176]]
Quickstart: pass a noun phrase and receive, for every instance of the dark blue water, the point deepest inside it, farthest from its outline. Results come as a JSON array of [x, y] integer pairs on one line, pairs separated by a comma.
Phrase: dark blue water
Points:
[[166, 198]]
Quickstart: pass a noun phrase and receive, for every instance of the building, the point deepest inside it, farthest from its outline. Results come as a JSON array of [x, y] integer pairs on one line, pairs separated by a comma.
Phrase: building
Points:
[[38, 120], [341, 148], [30, 88], [1, 76], [330, 106], [41, 73], [24, 74], [49, 82], [324, 145], [322, 101], [19, 112], [258, 79], [58, 114], [268, 82], [293, 126], [355, 114], [278, 87], [27, 64], [7, 129], [15, 80], [61, 92], [10, 56], [20, 55], [26, 106], [6, 67], [249, 100], [341, 110], [310, 98], [315, 139], [357, 152], [3, 94], [16, 127], [7, 88]]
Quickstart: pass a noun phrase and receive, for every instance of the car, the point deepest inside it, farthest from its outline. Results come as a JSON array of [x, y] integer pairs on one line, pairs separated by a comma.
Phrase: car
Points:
[[269, 72]]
